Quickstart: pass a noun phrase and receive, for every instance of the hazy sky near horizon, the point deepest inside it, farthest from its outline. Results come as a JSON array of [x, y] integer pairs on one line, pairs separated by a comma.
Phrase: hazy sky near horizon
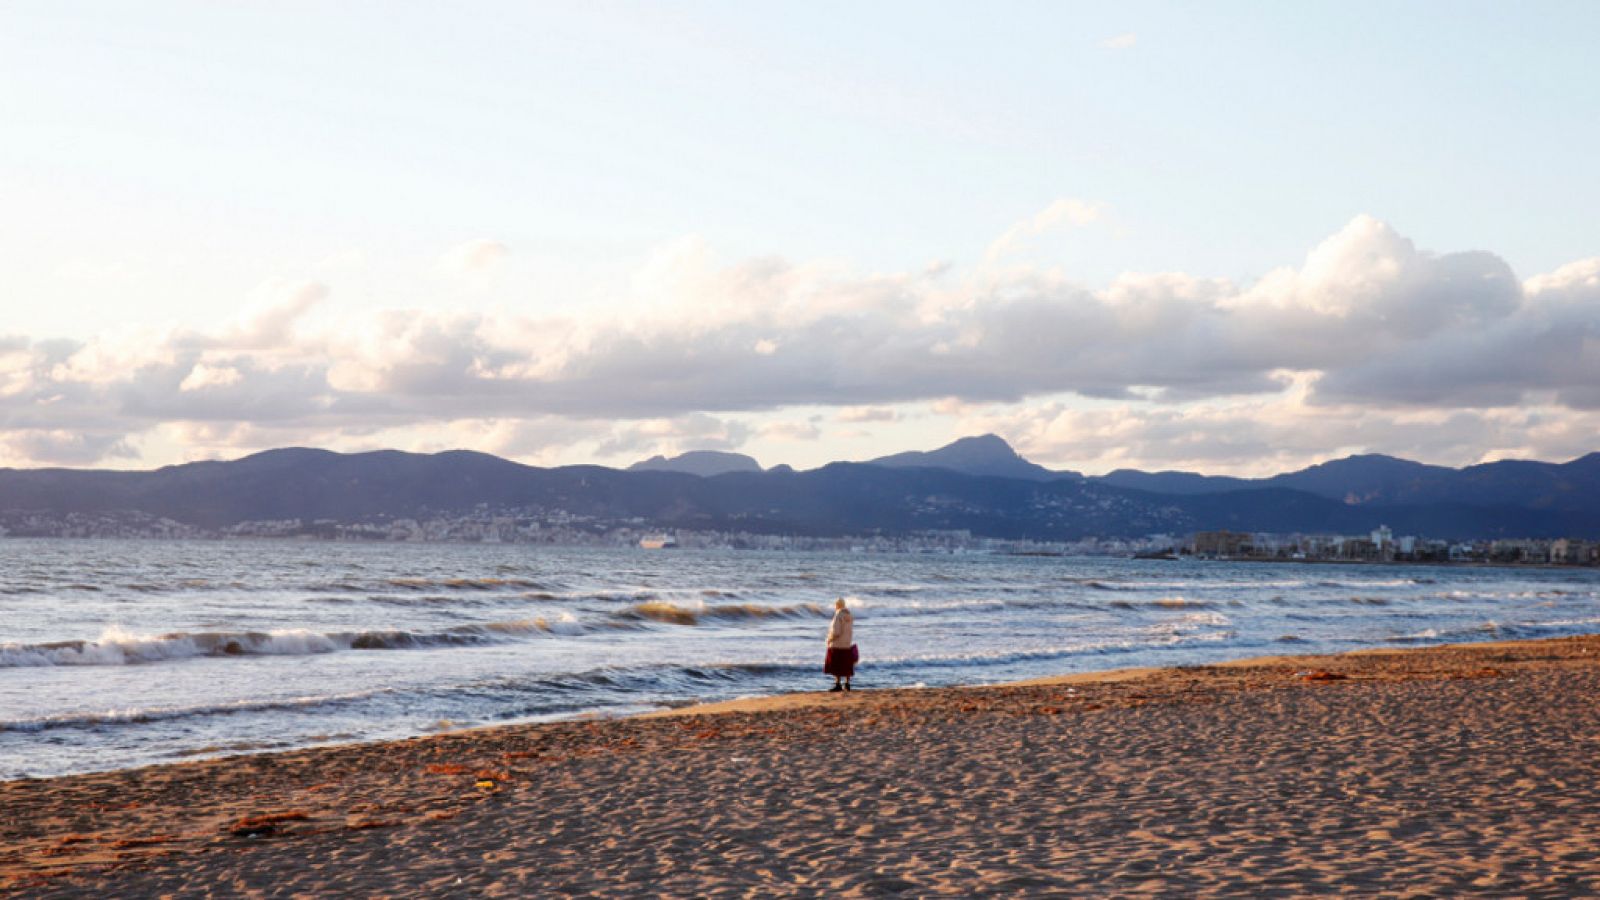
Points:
[[1228, 237]]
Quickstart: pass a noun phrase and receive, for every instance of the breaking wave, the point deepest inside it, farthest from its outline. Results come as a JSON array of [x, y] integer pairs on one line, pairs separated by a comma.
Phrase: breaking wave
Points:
[[1494, 630], [116, 647], [694, 614], [1163, 603]]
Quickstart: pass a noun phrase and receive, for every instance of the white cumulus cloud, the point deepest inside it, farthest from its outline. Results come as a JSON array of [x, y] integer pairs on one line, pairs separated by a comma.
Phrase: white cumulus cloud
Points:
[[1367, 330], [1067, 211], [473, 256]]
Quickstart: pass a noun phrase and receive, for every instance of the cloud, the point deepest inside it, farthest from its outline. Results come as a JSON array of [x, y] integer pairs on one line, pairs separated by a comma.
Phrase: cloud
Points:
[[1541, 337], [792, 430], [1257, 437], [203, 376], [61, 447], [1120, 42], [859, 414], [273, 314], [1367, 323], [473, 256], [1067, 211], [669, 437]]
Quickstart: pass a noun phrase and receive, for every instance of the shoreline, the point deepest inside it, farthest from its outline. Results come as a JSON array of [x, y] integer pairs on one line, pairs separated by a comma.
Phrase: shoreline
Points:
[[821, 698], [730, 797], [758, 704], [1421, 563]]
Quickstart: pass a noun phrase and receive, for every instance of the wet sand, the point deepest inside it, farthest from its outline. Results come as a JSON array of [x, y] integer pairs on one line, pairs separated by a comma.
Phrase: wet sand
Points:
[[1465, 770]]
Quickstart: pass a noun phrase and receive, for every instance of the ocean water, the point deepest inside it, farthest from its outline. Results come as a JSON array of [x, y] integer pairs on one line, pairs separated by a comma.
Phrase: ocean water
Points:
[[116, 654]]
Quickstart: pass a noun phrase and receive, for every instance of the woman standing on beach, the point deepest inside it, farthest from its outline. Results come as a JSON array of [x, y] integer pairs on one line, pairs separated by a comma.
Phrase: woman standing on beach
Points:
[[841, 659]]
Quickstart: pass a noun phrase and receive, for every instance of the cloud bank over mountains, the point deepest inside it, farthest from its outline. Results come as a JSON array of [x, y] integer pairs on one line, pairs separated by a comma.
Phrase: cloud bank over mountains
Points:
[[1368, 344]]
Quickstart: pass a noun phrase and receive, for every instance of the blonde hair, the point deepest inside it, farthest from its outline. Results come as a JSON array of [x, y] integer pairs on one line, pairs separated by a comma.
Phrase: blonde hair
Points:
[[839, 603]]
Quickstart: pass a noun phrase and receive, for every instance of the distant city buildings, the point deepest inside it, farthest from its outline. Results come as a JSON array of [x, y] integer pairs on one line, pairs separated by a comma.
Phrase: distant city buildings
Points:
[[1381, 545], [539, 526], [1222, 544]]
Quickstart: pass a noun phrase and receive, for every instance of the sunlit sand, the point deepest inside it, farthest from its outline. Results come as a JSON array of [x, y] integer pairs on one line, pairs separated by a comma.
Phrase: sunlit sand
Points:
[[1445, 771]]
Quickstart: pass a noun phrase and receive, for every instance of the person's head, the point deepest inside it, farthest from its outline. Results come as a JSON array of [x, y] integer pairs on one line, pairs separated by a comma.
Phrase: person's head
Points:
[[839, 604]]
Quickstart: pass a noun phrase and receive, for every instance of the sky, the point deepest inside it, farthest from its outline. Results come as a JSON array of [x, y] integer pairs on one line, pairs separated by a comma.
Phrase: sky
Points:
[[1237, 238]]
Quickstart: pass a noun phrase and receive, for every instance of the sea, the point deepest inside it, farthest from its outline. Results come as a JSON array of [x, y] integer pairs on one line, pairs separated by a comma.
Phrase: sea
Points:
[[116, 654]]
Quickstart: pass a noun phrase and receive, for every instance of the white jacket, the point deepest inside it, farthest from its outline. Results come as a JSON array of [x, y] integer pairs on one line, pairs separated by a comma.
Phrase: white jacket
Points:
[[842, 632]]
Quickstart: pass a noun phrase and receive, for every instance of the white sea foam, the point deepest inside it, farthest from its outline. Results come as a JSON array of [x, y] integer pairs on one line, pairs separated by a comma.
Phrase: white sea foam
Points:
[[117, 647], [697, 611], [566, 624], [471, 630]]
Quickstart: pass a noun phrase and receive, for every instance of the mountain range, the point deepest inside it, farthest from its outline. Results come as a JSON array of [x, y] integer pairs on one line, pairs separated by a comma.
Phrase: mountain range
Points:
[[1376, 480], [977, 484]]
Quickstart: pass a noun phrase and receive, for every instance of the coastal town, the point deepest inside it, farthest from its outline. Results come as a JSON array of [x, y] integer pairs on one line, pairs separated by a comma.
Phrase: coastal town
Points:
[[1383, 546], [559, 528]]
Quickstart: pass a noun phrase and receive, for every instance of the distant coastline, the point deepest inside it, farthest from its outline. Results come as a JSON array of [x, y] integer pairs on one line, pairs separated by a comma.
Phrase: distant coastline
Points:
[[958, 497], [917, 544], [1431, 563]]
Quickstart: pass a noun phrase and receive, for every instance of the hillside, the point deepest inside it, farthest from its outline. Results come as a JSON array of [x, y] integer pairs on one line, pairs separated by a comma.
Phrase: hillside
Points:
[[1348, 496]]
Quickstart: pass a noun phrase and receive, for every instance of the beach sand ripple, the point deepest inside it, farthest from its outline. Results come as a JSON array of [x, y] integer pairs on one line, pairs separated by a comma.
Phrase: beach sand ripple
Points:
[[1455, 771]]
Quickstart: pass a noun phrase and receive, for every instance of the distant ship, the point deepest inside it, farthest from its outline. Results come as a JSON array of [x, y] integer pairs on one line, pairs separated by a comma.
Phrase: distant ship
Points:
[[658, 542]]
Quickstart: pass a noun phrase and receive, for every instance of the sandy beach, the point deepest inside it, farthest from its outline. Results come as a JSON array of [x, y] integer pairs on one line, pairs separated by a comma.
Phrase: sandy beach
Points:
[[1463, 770]]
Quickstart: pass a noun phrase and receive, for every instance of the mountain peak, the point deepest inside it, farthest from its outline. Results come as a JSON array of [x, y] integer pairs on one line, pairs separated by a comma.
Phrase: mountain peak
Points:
[[983, 454], [1368, 460], [704, 463], [983, 443]]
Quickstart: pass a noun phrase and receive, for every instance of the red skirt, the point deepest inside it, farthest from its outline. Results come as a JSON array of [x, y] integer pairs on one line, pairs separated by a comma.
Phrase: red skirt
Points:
[[841, 661]]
